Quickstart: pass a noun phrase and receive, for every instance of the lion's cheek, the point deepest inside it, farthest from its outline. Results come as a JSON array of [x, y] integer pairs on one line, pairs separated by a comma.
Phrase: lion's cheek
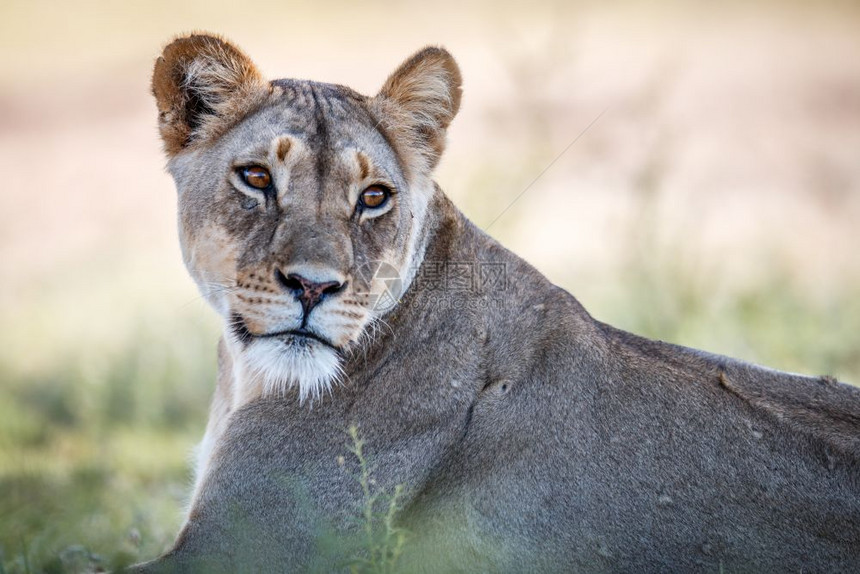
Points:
[[210, 256]]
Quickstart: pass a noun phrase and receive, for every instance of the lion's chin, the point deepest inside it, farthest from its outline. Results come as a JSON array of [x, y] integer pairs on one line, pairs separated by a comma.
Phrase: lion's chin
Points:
[[282, 363]]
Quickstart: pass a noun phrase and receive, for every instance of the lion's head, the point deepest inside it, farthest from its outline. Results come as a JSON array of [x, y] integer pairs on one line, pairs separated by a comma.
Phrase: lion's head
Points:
[[292, 194]]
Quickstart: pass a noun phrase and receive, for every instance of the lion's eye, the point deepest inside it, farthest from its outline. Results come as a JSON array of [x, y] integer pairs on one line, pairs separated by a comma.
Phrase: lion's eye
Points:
[[374, 196], [256, 176]]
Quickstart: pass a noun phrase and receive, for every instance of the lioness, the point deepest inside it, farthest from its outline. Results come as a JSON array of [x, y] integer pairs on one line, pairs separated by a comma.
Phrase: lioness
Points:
[[522, 434]]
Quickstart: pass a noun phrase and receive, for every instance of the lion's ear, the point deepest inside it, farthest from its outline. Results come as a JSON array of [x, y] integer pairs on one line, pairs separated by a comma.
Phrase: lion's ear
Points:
[[203, 85], [419, 100]]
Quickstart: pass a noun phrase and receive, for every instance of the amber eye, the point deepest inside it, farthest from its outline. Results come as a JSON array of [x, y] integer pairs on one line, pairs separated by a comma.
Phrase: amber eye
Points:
[[256, 176], [374, 196]]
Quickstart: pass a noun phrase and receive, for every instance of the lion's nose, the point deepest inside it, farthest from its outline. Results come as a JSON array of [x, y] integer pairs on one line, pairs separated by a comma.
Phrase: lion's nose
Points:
[[309, 293]]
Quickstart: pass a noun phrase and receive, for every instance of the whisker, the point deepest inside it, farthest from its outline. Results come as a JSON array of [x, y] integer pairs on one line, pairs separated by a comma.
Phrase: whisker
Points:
[[211, 288]]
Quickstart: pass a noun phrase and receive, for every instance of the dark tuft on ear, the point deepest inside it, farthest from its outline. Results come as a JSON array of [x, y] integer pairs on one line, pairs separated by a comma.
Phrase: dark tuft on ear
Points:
[[418, 102], [203, 85]]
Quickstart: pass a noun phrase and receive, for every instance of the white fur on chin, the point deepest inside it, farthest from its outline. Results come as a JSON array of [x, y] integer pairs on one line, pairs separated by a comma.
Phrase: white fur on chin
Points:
[[281, 365]]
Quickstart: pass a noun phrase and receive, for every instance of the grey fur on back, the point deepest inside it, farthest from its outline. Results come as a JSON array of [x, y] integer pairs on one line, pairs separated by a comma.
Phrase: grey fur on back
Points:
[[530, 437]]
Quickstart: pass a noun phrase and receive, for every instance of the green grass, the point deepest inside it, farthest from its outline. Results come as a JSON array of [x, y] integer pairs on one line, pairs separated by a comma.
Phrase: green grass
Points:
[[97, 419], [383, 540]]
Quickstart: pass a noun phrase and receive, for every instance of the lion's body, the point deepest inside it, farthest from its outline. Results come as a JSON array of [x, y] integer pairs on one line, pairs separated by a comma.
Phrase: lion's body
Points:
[[526, 437]]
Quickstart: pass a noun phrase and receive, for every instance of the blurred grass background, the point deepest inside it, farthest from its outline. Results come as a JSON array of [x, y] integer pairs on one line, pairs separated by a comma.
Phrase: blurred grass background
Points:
[[715, 204]]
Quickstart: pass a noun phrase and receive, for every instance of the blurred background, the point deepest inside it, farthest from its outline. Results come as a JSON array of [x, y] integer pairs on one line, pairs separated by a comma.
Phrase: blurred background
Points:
[[715, 204]]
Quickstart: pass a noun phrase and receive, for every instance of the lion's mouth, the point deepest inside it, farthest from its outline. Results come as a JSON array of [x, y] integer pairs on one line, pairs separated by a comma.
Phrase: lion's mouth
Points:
[[300, 334], [243, 334]]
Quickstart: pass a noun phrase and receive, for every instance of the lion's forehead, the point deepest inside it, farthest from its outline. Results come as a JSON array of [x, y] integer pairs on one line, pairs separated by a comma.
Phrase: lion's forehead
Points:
[[324, 114], [326, 123]]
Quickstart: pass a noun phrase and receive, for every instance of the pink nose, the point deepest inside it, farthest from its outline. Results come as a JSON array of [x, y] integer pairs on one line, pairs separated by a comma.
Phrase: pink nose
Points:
[[309, 293]]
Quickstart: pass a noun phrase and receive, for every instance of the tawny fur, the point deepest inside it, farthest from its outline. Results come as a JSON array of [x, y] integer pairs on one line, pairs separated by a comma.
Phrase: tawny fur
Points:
[[203, 85], [418, 102]]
